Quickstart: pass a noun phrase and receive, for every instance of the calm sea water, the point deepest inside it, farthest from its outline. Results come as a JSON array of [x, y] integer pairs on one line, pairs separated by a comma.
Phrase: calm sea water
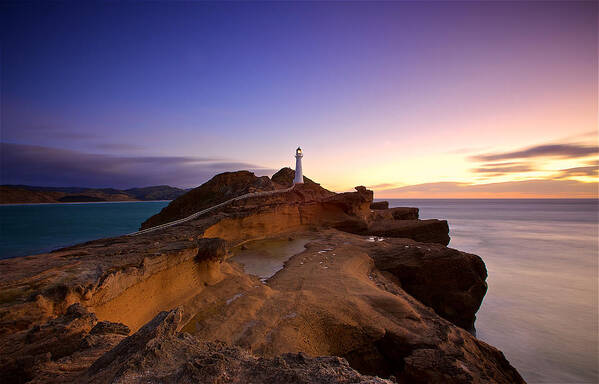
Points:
[[26, 229], [542, 258], [541, 255]]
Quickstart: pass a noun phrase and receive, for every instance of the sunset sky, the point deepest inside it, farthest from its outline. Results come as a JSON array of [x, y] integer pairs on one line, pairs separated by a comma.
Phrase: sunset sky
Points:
[[413, 99]]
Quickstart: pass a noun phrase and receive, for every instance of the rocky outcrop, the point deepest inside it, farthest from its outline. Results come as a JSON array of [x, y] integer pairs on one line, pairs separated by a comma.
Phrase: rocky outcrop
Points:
[[59, 350], [451, 282], [426, 231], [404, 213], [284, 177], [379, 205], [221, 187], [126, 280], [158, 353], [226, 186]]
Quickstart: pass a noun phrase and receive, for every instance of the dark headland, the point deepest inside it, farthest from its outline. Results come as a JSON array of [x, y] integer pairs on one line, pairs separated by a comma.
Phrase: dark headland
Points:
[[27, 194], [375, 297]]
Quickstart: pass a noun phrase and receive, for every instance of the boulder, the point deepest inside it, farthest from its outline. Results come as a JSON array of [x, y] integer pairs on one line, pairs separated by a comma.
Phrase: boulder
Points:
[[404, 213], [211, 250], [379, 205], [451, 282], [426, 231]]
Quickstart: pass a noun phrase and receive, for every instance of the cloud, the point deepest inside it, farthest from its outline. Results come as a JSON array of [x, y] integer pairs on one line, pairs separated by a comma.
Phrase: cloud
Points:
[[588, 171], [500, 169], [512, 189], [382, 186], [119, 146], [570, 151], [37, 165], [49, 131], [584, 135]]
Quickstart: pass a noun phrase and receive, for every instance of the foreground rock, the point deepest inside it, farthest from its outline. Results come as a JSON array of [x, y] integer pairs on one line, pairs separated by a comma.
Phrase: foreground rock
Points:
[[158, 353], [451, 282], [60, 350], [376, 287]]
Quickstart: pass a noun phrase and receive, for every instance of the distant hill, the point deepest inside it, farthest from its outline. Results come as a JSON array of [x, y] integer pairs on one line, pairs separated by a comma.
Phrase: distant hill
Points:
[[23, 194], [158, 192]]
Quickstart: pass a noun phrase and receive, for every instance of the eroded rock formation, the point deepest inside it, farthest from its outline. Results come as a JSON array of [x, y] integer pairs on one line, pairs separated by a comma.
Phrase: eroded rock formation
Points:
[[60, 350], [451, 282], [158, 353], [378, 288], [220, 188]]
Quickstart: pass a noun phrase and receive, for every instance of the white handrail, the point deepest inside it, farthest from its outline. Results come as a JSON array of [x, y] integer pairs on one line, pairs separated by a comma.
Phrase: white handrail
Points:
[[197, 214]]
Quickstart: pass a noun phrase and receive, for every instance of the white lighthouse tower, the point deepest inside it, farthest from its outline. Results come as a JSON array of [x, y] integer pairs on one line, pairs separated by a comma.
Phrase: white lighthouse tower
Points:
[[299, 176]]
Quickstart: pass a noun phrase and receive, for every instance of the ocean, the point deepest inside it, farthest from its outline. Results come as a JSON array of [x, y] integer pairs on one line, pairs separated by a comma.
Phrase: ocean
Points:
[[542, 259], [27, 229], [541, 255]]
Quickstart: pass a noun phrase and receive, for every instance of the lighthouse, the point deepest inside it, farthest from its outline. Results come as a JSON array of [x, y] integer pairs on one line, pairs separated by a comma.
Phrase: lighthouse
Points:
[[299, 176]]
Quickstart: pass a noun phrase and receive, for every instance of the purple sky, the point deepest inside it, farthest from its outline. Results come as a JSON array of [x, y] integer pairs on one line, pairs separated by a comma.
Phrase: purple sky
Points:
[[135, 94]]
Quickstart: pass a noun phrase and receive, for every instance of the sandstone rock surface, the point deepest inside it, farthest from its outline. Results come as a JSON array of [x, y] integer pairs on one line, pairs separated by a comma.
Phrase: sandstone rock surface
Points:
[[59, 350], [158, 353], [220, 188], [332, 299]]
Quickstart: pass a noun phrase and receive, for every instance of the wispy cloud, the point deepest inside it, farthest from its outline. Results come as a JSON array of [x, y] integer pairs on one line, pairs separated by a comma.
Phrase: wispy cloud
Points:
[[382, 186], [501, 169], [594, 134], [37, 165], [119, 146], [49, 131], [588, 171], [511, 189], [569, 151]]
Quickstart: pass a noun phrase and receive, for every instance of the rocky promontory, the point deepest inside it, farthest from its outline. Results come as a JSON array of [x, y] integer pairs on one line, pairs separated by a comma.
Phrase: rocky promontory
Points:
[[375, 296]]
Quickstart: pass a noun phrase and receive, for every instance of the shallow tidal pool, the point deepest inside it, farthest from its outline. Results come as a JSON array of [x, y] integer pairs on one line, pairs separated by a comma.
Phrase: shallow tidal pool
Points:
[[264, 258]]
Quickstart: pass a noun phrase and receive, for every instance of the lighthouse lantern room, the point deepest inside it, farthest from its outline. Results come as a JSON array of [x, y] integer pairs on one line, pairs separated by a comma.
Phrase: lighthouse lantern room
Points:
[[299, 176]]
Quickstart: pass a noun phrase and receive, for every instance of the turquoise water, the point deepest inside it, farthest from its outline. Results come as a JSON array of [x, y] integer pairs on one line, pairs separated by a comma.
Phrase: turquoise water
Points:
[[541, 255], [26, 229]]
